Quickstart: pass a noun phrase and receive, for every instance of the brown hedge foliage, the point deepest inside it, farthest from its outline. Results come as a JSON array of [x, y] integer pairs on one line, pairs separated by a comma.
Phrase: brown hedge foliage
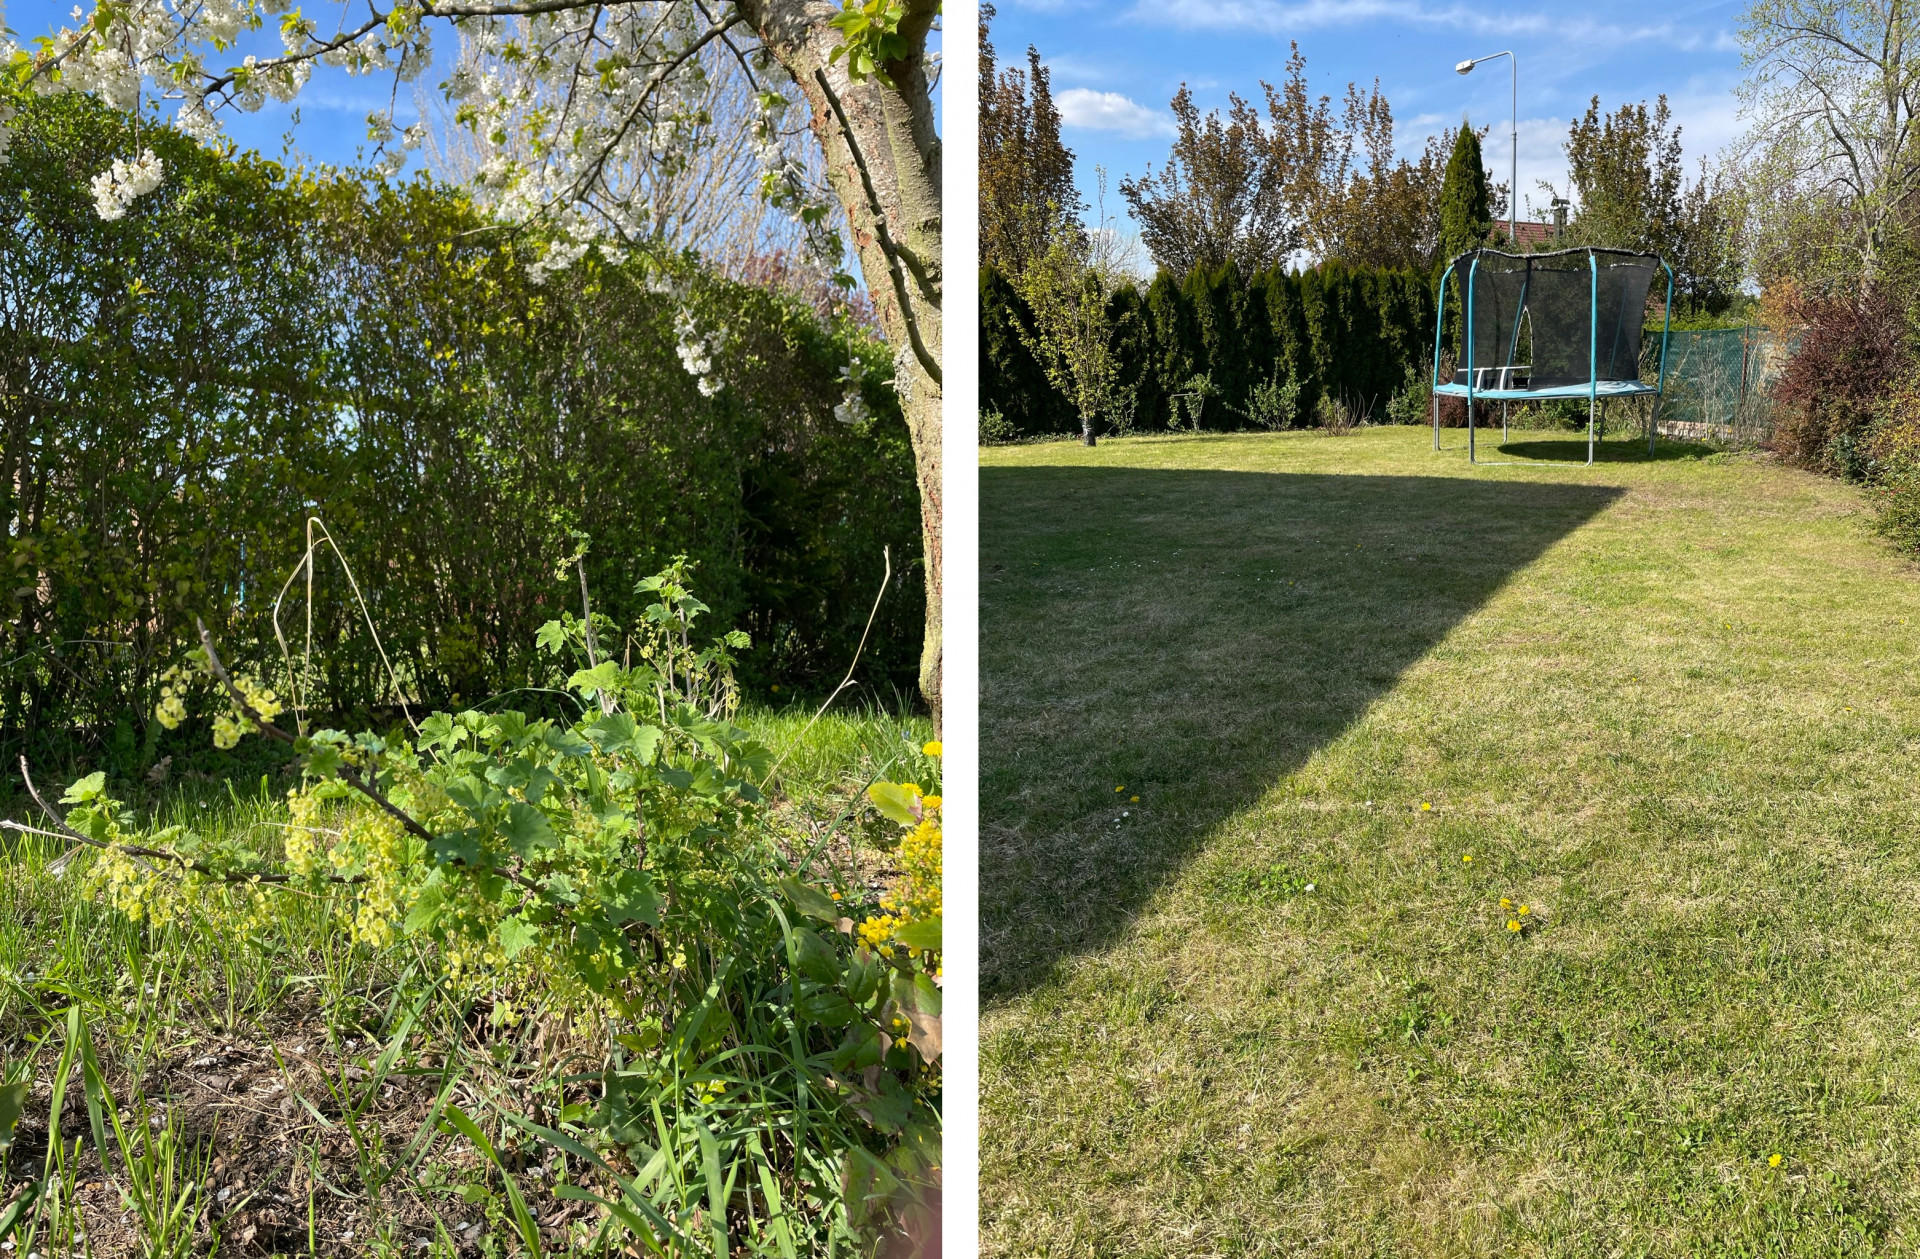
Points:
[[1852, 351]]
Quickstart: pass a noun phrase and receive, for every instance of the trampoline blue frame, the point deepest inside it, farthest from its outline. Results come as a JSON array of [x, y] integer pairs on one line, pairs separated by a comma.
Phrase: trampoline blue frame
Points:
[[1593, 390]]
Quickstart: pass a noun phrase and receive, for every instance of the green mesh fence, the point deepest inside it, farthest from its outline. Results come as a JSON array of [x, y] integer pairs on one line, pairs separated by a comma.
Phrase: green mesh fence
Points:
[[1719, 383]]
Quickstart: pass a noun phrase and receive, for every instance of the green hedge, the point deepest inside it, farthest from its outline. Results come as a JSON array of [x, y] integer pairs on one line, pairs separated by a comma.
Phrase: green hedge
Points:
[[1358, 332], [182, 388]]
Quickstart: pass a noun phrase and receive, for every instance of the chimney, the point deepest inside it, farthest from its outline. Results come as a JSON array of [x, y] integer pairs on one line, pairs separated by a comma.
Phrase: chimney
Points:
[[1559, 217]]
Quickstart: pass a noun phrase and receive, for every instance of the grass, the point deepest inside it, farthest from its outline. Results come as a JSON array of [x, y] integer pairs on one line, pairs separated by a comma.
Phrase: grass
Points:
[[1364, 692], [281, 1091]]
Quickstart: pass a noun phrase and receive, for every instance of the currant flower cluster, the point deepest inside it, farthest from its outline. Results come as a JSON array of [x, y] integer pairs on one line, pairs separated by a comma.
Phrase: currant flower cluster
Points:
[[172, 708], [230, 725], [116, 188]]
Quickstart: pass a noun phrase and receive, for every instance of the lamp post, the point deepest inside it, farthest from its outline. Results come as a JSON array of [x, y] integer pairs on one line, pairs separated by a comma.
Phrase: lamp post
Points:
[[1513, 189]]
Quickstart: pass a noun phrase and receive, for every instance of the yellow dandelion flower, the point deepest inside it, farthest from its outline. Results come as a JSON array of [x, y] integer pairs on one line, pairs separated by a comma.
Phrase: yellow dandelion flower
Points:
[[1121, 787], [1774, 1161], [933, 748], [1426, 807], [1513, 924], [1133, 799], [1467, 857], [1505, 903], [1523, 909]]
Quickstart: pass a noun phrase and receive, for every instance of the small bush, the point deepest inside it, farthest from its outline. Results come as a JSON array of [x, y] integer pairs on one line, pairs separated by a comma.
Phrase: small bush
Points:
[[1414, 403], [1853, 350], [1339, 416], [1272, 405], [995, 428]]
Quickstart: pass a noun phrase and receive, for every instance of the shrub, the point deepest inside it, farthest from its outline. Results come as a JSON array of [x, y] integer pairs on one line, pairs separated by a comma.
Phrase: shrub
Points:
[[995, 428], [246, 349], [1274, 403], [1852, 350], [617, 870], [1414, 403]]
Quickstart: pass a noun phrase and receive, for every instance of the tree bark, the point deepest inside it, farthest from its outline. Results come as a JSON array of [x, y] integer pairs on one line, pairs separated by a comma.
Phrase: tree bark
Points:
[[883, 160]]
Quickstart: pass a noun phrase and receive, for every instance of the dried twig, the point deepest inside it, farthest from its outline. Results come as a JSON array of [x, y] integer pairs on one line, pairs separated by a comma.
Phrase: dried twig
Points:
[[140, 852]]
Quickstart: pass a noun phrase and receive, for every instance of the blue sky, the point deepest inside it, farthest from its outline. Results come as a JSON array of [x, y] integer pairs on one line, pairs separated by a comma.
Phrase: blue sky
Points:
[[1115, 67], [332, 109]]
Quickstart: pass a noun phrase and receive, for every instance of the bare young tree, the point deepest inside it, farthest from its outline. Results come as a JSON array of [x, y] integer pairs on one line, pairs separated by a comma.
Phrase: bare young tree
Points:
[[1067, 287], [1833, 151]]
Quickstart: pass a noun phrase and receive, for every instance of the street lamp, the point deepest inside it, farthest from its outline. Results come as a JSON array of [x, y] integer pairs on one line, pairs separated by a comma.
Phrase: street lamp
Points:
[[1513, 189]]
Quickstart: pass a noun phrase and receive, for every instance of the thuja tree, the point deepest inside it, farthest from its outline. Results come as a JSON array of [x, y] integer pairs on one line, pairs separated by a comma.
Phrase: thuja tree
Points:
[[574, 102]]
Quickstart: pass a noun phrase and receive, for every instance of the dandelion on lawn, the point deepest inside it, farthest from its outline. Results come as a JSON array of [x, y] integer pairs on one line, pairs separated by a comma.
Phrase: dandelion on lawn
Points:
[[1506, 903], [1122, 787], [1426, 806], [934, 748], [1774, 1161], [1133, 799], [1467, 857], [1513, 924]]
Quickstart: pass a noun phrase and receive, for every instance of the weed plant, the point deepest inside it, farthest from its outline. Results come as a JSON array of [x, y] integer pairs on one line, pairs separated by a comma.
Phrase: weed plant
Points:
[[192, 1061]]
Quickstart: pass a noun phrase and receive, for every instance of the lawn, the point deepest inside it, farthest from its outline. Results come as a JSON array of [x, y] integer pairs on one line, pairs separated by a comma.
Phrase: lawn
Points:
[[304, 1080], [1371, 701]]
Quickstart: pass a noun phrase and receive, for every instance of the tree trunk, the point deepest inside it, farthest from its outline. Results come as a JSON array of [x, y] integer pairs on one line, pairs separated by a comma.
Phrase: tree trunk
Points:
[[883, 160]]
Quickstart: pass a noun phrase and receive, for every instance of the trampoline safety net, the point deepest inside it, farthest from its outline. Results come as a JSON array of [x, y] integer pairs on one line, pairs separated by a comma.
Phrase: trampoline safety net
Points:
[[1582, 308]]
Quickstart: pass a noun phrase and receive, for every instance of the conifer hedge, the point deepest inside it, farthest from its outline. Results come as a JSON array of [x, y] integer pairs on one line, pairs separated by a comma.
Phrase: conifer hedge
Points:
[[1358, 333]]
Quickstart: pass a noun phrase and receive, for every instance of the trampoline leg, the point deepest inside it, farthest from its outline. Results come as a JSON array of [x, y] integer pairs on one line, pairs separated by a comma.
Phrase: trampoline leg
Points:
[[1503, 423], [1470, 455], [1593, 407], [1436, 422]]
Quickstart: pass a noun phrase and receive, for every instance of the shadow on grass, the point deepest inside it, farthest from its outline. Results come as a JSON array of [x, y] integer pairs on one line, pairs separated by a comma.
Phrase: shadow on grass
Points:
[[1192, 636], [1573, 449]]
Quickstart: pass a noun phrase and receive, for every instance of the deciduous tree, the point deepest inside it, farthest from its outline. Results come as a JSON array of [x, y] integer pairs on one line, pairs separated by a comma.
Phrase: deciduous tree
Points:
[[1027, 196], [1832, 152]]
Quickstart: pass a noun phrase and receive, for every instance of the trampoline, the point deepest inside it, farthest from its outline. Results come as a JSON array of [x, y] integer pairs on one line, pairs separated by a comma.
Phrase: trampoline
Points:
[[1584, 310]]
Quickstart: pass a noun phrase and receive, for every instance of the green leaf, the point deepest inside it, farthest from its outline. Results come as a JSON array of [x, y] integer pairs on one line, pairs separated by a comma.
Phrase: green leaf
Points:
[[611, 732], [529, 1231], [471, 794], [551, 637], [604, 676], [87, 790], [629, 897], [810, 900], [457, 846], [324, 760], [517, 935], [897, 802], [528, 830], [924, 934], [427, 906], [13, 1103], [867, 1185], [16, 1211]]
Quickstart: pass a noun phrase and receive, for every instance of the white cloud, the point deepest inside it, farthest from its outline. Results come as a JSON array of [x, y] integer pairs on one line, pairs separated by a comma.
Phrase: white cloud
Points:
[[1276, 18], [1110, 111]]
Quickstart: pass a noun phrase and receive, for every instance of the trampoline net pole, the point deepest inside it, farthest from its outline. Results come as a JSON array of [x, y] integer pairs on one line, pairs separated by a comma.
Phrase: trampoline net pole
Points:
[[1473, 269], [1593, 353]]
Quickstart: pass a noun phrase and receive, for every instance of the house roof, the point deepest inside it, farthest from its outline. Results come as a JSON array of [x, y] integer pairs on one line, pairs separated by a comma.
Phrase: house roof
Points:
[[1530, 235]]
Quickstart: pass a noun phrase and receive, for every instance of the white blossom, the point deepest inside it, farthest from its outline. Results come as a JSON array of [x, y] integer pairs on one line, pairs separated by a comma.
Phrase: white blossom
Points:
[[115, 188], [852, 408]]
